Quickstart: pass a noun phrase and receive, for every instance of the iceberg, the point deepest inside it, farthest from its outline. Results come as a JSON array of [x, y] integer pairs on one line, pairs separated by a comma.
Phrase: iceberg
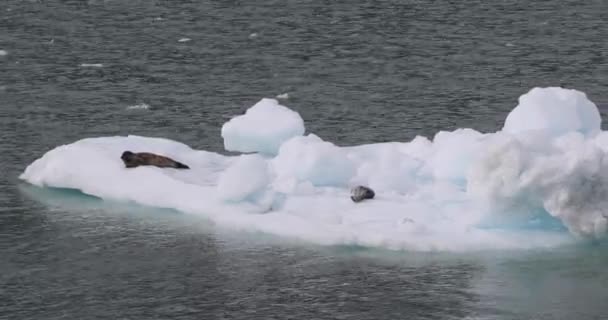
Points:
[[463, 190]]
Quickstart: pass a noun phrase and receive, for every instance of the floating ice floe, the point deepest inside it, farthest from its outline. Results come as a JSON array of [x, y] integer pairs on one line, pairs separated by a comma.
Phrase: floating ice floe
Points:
[[541, 181]]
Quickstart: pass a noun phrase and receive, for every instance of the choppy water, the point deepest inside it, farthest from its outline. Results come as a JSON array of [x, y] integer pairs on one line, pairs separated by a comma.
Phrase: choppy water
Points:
[[357, 73]]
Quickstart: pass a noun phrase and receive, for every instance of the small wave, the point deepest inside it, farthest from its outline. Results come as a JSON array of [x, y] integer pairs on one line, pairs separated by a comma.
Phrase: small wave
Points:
[[141, 106]]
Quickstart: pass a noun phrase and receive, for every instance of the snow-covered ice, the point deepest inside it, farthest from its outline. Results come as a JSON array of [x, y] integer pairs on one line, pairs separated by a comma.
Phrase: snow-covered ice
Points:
[[263, 128], [541, 181]]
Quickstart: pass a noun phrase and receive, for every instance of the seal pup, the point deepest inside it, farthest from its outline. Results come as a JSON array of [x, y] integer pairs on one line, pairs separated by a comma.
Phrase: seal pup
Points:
[[133, 160], [360, 193]]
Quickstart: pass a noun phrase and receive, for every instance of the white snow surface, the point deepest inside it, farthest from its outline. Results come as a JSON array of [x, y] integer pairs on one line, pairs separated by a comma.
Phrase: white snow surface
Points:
[[540, 182]]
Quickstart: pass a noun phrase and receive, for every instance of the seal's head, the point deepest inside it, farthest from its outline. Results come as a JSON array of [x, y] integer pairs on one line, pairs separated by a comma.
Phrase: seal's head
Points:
[[360, 193], [128, 158], [127, 155]]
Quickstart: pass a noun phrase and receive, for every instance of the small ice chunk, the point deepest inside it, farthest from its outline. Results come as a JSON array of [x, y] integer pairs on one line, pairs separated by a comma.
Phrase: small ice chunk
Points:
[[184, 40], [245, 179], [91, 65], [310, 159], [263, 128], [453, 153], [140, 106], [554, 110], [253, 35], [3, 52], [388, 169], [283, 96]]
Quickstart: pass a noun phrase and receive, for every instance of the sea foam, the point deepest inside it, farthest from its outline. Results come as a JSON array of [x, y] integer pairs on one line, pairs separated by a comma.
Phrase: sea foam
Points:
[[541, 181]]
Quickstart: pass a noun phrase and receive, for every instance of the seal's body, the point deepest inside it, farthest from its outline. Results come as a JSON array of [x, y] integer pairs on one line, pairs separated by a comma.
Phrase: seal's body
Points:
[[360, 193], [133, 160]]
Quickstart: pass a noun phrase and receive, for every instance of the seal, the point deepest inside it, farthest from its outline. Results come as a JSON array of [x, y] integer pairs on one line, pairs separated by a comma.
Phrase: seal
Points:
[[360, 193], [133, 160]]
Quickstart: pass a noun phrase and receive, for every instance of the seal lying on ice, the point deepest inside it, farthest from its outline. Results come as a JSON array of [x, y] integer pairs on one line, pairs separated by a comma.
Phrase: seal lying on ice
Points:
[[133, 160], [360, 193]]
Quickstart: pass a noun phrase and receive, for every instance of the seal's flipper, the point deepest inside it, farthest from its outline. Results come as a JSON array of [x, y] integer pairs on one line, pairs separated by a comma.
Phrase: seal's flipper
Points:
[[179, 165]]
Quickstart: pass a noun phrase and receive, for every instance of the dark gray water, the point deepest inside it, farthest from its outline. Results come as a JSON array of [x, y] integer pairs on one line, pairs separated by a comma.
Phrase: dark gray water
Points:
[[357, 72]]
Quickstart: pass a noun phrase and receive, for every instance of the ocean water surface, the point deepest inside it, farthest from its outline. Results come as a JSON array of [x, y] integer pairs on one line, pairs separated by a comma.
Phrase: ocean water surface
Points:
[[357, 73]]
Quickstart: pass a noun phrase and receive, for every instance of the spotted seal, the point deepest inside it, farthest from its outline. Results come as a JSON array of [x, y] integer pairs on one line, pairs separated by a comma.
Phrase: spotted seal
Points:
[[133, 160], [360, 193]]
